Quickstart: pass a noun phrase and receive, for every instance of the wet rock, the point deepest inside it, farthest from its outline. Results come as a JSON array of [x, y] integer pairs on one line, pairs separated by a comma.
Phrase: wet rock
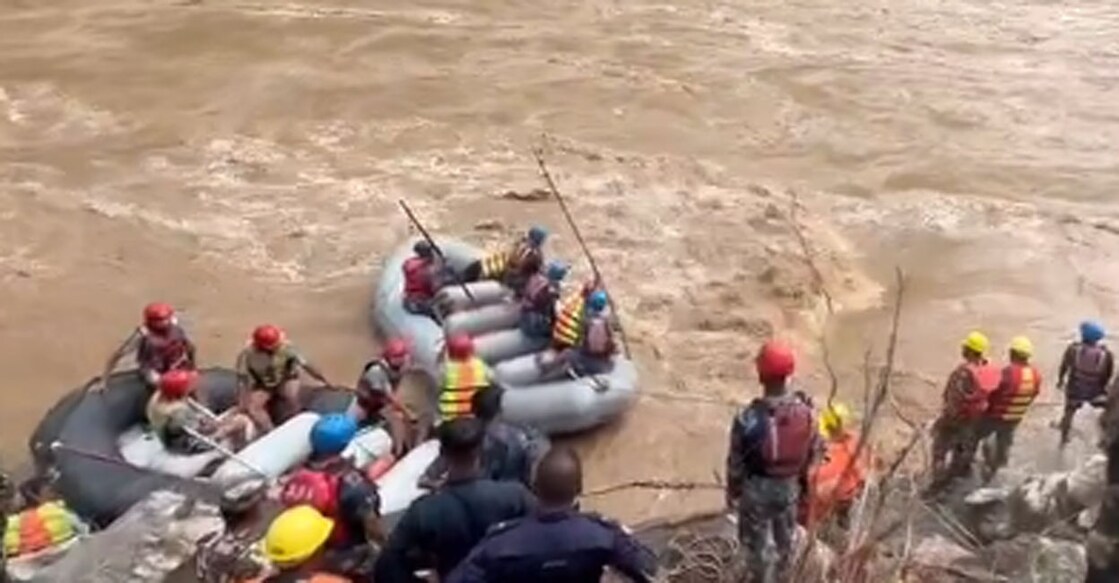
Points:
[[150, 541], [1037, 558], [936, 558], [534, 195]]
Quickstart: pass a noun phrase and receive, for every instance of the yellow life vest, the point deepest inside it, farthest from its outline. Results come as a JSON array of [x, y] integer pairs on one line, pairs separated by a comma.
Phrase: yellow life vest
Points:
[[461, 379], [45, 526], [569, 321]]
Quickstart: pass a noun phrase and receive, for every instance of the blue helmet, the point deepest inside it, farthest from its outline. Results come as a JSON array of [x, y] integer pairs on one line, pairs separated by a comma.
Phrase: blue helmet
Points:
[[597, 301], [331, 434], [536, 235], [1091, 332], [557, 270]]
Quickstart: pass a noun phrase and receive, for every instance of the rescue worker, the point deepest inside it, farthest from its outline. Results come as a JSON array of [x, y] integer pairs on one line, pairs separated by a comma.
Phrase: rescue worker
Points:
[[295, 545], [538, 305], [1085, 373], [1020, 385], [596, 349], [179, 420], [838, 479], [268, 369], [463, 375], [772, 443], [956, 431], [232, 554], [377, 391], [557, 543], [159, 343], [423, 276], [514, 265], [44, 523], [341, 492], [509, 451], [439, 529]]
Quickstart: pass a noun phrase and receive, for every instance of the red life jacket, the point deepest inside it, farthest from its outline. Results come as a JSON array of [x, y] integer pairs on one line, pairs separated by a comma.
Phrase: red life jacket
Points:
[[164, 352], [537, 294], [985, 380], [418, 284], [1011, 401], [787, 443], [319, 487], [1088, 367], [598, 340]]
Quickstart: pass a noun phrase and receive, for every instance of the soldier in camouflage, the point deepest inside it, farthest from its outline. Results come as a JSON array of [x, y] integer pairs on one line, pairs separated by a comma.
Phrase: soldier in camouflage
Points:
[[234, 554]]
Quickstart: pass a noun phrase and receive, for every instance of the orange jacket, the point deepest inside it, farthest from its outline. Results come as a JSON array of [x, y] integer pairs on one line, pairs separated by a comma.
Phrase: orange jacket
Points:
[[836, 480]]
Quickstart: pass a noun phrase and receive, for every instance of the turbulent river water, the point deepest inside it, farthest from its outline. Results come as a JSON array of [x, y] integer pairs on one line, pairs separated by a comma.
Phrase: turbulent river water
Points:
[[243, 160]]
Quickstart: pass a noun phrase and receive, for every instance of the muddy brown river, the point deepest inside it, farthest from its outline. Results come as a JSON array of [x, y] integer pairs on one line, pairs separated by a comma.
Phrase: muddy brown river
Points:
[[243, 160]]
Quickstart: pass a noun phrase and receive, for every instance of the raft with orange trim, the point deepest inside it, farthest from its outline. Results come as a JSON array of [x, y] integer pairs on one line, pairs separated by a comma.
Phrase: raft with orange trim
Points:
[[548, 400]]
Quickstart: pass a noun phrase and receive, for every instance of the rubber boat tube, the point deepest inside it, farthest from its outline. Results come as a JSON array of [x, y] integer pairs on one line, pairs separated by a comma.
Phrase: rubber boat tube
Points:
[[398, 487], [554, 406], [100, 490], [489, 318], [485, 292]]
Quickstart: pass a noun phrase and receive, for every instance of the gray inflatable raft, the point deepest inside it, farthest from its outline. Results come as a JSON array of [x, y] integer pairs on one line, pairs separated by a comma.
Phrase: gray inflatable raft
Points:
[[534, 398]]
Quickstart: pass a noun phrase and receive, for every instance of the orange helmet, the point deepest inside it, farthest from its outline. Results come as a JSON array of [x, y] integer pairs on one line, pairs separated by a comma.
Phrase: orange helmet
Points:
[[267, 337], [460, 346], [176, 384], [157, 316], [775, 361]]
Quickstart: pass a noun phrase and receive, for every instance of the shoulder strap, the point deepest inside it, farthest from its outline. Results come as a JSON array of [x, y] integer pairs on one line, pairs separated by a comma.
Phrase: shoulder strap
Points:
[[474, 526]]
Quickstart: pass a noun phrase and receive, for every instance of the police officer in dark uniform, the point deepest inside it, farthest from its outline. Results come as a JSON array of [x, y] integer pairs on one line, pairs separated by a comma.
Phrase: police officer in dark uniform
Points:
[[439, 529], [557, 543], [509, 451]]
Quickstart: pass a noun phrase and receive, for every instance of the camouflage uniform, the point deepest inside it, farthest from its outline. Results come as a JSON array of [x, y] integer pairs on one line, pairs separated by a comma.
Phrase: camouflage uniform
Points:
[[229, 557], [953, 434]]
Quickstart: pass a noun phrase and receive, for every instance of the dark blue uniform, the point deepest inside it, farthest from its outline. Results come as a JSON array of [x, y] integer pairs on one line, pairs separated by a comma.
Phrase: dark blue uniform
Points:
[[562, 546]]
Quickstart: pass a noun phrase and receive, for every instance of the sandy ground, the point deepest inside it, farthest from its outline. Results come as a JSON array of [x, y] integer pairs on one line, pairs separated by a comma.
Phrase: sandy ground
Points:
[[243, 160]]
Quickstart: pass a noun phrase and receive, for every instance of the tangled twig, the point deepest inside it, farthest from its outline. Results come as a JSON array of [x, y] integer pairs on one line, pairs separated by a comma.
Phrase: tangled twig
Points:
[[654, 485]]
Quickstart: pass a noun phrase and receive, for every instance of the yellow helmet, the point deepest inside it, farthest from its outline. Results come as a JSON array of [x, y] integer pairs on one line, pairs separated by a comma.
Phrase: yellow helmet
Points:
[[834, 419], [295, 535], [977, 342], [1022, 345]]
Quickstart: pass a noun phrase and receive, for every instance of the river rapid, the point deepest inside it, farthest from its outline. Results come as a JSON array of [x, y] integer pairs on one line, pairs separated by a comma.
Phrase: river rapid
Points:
[[728, 162]]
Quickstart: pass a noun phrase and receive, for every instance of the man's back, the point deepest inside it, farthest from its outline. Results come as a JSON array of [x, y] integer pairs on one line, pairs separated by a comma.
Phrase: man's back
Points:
[[555, 547], [441, 528]]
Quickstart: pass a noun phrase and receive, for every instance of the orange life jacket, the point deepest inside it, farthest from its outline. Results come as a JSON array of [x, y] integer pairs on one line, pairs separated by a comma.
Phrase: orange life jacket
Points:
[[1011, 401], [985, 379], [839, 478]]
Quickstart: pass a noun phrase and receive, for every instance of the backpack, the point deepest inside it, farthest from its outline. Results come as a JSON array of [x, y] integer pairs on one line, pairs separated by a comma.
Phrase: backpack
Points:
[[786, 443]]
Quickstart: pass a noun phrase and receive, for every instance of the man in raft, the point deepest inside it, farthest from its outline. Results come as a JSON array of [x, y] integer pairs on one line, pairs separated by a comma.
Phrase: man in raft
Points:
[[424, 274], [538, 304], [1085, 372], [268, 368], [1020, 385], [333, 486], [295, 544], [159, 343], [376, 392], [595, 352], [178, 419], [956, 431], [772, 443], [514, 265]]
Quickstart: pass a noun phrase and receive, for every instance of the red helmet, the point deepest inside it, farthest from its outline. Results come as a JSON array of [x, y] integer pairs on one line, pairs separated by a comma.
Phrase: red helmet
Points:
[[460, 346], [775, 361], [176, 384], [396, 351], [267, 337], [157, 315]]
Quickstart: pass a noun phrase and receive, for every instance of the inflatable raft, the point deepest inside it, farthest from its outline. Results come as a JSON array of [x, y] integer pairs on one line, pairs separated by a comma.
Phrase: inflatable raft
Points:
[[534, 398]]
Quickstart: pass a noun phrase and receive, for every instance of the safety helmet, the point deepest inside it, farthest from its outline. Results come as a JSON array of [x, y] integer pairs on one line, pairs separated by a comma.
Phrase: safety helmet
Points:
[[295, 535], [775, 361], [1091, 332], [460, 346], [537, 235], [422, 248], [834, 420], [557, 270], [597, 302], [176, 384], [1022, 345], [977, 342], [396, 352], [267, 337], [331, 434], [157, 315]]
